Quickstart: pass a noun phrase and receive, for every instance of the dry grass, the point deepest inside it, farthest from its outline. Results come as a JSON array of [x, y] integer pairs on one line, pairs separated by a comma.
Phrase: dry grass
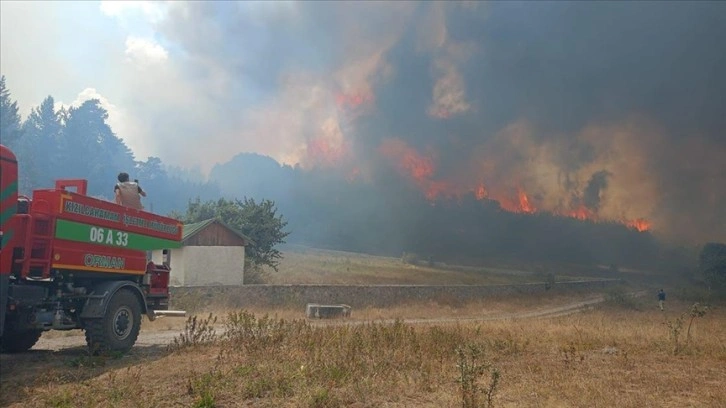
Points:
[[620, 354], [302, 265], [495, 305], [607, 357]]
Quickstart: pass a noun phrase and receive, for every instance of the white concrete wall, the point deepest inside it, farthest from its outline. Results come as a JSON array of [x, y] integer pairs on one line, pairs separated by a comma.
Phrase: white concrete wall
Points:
[[205, 265], [213, 265]]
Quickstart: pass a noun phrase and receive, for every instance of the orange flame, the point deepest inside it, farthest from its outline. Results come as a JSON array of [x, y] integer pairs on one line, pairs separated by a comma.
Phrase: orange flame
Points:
[[408, 160], [481, 192], [324, 152], [524, 204], [640, 224], [422, 168], [580, 212], [518, 204]]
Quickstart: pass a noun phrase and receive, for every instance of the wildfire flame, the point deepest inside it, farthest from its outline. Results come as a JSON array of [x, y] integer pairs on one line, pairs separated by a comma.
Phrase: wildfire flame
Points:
[[518, 203], [409, 161], [421, 169], [524, 204], [581, 213], [640, 224], [481, 192], [325, 152]]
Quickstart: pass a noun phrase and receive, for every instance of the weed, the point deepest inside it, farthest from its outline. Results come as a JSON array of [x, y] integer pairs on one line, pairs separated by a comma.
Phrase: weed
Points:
[[570, 355], [697, 311], [91, 361], [508, 345], [245, 329], [675, 326], [196, 332], [203, 388], [322, 398], [62, 400], [125, 388], [471, 369]]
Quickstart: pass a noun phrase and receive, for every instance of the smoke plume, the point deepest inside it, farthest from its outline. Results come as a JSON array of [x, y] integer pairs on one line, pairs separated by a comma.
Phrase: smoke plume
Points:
[[609, 111]]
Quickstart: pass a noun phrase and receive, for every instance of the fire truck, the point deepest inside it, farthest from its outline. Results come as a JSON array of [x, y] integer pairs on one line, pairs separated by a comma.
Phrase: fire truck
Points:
[[70, 261]]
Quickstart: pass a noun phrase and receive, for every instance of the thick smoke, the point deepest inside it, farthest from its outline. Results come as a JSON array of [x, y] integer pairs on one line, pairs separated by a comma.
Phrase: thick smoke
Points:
[[602, 110], [598, 182]]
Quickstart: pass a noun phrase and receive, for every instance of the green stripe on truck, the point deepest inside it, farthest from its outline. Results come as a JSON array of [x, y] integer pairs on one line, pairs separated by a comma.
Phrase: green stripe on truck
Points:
[[79, 232], [8, 191]]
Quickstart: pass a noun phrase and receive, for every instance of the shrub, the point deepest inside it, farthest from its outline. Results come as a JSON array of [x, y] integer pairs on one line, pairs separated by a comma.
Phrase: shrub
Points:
[[471, 370], [196, 332]]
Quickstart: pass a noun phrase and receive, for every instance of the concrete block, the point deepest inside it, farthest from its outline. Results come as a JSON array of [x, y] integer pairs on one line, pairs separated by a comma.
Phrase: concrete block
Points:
[[318, 311]]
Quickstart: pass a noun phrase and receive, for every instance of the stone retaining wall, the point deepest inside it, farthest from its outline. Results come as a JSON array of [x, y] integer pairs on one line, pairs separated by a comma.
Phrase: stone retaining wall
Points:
[[359, 296]]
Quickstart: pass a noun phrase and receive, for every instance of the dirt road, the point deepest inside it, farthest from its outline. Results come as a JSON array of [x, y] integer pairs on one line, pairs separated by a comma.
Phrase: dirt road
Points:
[[160, 338]]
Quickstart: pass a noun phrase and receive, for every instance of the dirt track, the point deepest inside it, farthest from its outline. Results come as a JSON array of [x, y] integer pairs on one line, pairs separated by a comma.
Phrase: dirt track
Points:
[[151, 339]]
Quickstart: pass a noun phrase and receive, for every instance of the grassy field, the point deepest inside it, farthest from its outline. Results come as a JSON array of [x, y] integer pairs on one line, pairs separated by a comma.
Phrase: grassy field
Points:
[[303, 265], [615, 355], [623, 352]]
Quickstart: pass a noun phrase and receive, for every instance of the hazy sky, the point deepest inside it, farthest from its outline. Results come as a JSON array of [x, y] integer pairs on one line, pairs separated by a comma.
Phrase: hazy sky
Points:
[[80, 50], [192, 83], [620, 101]]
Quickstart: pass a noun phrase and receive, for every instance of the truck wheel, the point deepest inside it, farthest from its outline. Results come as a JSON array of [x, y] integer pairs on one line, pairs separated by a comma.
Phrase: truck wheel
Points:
[[17, 342], [119, 328]]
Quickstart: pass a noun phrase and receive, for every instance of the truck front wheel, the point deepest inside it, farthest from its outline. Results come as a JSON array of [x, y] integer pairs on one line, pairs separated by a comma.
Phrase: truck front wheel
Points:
[[119, 328]]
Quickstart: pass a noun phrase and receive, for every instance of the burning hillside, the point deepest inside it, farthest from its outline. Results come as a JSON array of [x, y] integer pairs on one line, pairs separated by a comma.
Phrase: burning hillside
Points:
[[420, 169], [610, 112]]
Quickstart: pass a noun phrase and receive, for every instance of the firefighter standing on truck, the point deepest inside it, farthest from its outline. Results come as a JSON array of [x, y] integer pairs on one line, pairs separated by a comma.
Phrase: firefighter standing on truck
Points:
[[128, 193]]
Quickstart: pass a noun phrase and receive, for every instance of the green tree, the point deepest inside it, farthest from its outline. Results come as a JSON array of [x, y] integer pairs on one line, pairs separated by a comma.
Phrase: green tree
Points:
[[40, 145], [712, 263], [92, 149], [9, 117], [257, 220]]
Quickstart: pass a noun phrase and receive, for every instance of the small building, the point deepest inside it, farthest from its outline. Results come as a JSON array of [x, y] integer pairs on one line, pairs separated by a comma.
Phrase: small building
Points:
[[212, 253]]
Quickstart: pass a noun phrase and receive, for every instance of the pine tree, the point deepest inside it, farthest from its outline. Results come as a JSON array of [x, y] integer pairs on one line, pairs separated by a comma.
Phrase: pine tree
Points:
[[92, 149], [41, 144], [9, 117]]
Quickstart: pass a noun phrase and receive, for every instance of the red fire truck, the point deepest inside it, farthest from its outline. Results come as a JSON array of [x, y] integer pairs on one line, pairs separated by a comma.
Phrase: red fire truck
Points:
[[70, 261]]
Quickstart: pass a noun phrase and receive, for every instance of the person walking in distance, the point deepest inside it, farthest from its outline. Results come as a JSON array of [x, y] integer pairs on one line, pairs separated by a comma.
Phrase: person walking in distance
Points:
[[661, 298], [128, 193]]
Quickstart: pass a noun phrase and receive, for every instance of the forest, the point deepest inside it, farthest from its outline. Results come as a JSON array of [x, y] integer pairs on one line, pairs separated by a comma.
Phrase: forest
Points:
[[322, 208]]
